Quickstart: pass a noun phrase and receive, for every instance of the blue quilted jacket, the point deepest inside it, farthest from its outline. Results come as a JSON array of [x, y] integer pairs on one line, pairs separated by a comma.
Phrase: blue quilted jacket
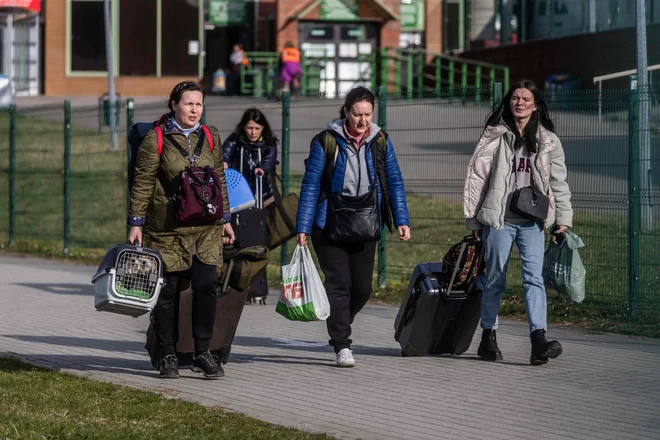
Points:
[[311, 212]]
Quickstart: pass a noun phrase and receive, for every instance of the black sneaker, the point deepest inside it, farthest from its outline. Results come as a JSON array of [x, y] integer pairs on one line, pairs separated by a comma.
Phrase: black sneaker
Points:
[[488, 350], [169, 367], [542, 349], [208, 364]]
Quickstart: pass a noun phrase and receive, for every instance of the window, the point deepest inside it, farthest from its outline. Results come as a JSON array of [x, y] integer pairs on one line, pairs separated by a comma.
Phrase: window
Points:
[[180, 27], [143, 44], [137, 37], [87, 36]]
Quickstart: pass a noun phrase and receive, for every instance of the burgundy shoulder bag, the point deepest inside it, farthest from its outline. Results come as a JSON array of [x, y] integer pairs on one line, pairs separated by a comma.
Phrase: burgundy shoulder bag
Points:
[[199, 195]]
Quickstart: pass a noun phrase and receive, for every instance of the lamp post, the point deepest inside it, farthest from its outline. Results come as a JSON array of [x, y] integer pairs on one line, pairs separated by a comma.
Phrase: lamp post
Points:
[[111, 77]]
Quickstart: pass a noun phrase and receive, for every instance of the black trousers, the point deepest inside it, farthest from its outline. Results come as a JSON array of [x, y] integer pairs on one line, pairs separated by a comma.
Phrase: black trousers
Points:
[[204, 282], [348, 270]]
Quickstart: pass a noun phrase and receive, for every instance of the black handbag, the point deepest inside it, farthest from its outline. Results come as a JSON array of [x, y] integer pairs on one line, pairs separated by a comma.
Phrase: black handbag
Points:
[[529, 203], [353, 219]]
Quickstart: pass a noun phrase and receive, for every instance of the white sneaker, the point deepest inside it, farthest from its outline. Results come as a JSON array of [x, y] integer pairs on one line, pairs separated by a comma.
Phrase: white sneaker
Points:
[[345, 358]]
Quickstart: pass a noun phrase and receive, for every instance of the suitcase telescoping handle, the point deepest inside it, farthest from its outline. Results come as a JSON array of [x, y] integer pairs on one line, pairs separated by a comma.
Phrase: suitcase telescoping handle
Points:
[[450, 285], [260, 184], [260, 192]]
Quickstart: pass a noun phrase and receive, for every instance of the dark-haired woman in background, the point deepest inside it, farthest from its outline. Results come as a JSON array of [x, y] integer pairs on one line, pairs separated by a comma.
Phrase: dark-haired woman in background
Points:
[[254, 138], [517, 149], [348, 265]]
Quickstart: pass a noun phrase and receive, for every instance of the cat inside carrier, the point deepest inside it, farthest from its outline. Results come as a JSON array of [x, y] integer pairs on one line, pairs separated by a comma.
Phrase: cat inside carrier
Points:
[[128, 280]]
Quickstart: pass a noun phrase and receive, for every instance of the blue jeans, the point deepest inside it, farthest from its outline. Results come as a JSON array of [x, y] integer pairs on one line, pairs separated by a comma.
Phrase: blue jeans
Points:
[[530, 239]]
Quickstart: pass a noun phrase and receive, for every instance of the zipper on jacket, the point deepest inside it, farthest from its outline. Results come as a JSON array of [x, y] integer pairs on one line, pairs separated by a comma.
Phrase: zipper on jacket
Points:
[[359, 172]]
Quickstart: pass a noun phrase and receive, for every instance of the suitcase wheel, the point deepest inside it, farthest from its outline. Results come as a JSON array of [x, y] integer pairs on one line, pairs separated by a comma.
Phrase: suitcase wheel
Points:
[[257, 300], [403, 354]]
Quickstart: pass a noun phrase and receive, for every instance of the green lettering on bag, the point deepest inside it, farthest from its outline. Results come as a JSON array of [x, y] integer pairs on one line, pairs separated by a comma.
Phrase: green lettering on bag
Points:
[[292, 280]]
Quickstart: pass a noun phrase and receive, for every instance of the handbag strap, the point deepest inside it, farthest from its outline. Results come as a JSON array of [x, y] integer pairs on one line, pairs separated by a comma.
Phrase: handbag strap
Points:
[[201, 184], [198, 149], [279, 204]]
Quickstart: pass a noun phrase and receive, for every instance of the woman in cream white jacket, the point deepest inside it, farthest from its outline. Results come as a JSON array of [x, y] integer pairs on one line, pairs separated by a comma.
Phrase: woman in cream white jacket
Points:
[[518, 148]]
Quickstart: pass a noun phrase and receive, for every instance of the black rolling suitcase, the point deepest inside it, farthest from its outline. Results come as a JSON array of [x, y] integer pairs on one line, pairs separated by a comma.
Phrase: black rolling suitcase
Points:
[[250, 230], [436, 319]]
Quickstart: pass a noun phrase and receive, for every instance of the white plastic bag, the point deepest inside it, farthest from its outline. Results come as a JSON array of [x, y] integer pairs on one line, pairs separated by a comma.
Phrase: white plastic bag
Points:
[[303, 296]]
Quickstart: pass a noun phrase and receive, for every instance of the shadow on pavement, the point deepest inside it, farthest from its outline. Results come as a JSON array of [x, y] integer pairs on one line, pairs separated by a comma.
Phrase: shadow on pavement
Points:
[[62, 288], [99, 344]]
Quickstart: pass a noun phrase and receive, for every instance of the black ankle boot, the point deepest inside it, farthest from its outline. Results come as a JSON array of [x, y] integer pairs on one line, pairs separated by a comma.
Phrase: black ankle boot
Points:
[[542, 350], [488, 350]]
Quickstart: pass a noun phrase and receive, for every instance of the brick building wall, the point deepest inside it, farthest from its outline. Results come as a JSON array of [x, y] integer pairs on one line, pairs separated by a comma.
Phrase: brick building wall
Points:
[[289, 10], [56, 83]]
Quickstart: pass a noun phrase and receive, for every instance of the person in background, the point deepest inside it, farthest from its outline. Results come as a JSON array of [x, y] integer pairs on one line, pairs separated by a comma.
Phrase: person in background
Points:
[[237, 58], [348, 265], [290, 67], [253, 138], [190, 251], [518, 148]]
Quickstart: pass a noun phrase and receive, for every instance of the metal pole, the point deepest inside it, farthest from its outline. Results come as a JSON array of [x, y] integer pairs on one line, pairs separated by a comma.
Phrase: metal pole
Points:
[[12, 175], [130, 118], [634, 208], [523, 22], [382, 244], [438, 76], [420, 74], [409, 75], [286, 152], [497, 95], [111, 76], [256, 25], [67, 175], [643, 122]]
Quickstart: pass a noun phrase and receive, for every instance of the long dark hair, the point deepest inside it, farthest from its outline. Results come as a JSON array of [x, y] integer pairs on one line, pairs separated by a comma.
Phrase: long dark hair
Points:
[[256, 115], [503, 112], [175, 95], [358, 94]]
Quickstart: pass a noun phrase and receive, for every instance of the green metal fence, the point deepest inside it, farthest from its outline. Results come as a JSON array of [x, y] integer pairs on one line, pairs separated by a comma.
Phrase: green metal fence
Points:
[[62, 183], [411, 72], [260, 78]]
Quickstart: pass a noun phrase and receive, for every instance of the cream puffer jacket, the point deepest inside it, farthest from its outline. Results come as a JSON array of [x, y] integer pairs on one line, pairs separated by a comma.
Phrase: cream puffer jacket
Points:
[[487, 182]]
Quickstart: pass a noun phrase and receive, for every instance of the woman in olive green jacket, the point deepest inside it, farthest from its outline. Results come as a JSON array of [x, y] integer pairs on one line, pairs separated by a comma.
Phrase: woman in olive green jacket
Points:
[[191, 251]]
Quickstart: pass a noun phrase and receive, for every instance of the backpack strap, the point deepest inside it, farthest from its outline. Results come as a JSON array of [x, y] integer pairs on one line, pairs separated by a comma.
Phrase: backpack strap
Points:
[[330, 147], [207, 132], [159, 137]]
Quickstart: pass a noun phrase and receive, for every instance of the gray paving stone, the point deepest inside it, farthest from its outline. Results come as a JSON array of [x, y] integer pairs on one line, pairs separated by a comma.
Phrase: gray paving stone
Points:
[[604, 386]]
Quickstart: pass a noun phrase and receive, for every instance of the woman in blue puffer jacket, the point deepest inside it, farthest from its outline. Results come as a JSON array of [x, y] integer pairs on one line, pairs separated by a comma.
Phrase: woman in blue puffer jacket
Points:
[[364, 186]]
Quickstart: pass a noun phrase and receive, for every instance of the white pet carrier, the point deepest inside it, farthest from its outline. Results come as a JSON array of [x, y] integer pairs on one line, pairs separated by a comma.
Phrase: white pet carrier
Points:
[[128, 281]]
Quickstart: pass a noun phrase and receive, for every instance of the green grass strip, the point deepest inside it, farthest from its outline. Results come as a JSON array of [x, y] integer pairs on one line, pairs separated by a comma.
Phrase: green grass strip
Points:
[[43, 404]]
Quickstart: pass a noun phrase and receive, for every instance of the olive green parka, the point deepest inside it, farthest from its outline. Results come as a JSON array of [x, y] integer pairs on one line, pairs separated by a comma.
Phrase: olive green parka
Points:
[[176, 242]]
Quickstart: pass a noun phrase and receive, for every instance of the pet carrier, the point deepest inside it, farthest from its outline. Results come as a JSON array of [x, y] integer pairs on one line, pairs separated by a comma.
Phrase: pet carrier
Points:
[[238, 191], [128, 280]]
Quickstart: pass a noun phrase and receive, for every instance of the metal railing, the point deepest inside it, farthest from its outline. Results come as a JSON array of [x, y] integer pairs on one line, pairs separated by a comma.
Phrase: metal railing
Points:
[[260, 77], [405, 70], [599, 80]]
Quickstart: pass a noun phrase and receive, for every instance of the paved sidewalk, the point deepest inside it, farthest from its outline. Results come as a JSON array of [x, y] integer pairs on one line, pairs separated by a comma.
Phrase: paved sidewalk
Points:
[[603, 386]]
